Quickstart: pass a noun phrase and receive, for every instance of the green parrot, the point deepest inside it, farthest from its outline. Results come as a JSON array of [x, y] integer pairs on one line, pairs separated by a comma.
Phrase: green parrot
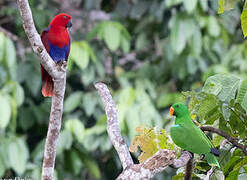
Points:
[[188, 136]]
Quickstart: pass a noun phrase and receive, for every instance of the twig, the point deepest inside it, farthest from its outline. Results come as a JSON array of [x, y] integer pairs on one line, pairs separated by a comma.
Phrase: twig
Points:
[[182, 161], [189, 169], [225, 135], [209, 173], [112, 125], [9, 34], [146, 170], [59, 80], [155, 164]]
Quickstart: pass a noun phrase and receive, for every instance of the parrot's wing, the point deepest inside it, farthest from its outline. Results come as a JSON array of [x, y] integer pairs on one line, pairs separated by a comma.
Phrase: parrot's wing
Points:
[[67, 53], [46, 79], [44, 39], [190, 138]]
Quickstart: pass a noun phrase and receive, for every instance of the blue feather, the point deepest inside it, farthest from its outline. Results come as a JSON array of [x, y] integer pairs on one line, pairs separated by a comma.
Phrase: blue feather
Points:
[[57, 53]]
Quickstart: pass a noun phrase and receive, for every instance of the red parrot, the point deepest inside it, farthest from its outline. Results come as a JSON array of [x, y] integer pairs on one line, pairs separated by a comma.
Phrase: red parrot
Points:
[[56, 40]]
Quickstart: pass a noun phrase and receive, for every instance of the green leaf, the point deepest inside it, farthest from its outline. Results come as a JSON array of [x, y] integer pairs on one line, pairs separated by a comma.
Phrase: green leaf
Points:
[[18, 155], [197, 42], [233, 175], [2, 46], [81, 53], [226, 5], [167, 99], [213, 26], [190, 5], [181, 31], [243, 18], [19, 94], [73, 162], [38, 153], [127, 97], [192, 65], [5, 111], [221, 6], [96, 29], [64, 141], [206, 106], [125, 44], [4, 148], [173, 2], [217, 175], [242, 94], [73, 101], [89, 103], [141, 41], [10, 58], [91, 164], [223, 86], [88, 75], [2, 167], [76, 127], [231, 163], [111, 36]]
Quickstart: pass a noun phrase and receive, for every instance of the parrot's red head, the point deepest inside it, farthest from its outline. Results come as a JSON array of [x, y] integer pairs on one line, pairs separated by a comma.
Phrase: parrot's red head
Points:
[[62, 20]]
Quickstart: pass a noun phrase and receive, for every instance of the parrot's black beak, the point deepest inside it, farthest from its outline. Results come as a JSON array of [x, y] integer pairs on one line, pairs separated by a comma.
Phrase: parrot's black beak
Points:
[[69, 25]]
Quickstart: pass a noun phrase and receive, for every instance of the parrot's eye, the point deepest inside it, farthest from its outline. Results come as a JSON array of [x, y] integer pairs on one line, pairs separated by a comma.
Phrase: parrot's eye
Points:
[[66, 17], [177, 106]]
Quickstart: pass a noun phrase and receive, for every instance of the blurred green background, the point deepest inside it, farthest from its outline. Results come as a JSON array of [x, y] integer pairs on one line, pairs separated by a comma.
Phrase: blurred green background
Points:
[[146, 51]]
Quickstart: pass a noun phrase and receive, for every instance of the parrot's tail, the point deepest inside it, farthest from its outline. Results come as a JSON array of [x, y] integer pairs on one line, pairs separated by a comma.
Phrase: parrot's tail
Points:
[[212, 160], [47, 83]]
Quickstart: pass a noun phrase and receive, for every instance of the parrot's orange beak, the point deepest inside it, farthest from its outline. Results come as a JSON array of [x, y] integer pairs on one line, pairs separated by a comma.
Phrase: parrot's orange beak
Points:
[[171, 111]]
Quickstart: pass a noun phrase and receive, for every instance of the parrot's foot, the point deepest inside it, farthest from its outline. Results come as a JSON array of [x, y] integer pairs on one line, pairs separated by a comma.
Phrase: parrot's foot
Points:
[[62, 65], [202, 156]]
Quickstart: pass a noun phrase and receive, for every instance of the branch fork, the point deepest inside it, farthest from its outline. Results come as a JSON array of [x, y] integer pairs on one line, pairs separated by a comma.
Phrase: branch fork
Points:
[[146, 170]]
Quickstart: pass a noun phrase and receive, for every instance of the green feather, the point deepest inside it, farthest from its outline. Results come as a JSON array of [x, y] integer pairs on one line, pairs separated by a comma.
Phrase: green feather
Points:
[[212, 160], [188, 136]]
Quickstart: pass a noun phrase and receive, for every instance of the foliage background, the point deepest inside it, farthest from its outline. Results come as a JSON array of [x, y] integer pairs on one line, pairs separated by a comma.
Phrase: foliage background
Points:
[[146, 51]]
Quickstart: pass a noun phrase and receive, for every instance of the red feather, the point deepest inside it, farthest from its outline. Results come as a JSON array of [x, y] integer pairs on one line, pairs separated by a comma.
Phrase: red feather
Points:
[[55, 38]]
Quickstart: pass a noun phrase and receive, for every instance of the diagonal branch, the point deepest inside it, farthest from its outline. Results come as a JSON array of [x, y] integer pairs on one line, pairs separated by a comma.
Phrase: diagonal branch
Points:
[[146, 170], [59, 80], [232, 140], [112, 125]]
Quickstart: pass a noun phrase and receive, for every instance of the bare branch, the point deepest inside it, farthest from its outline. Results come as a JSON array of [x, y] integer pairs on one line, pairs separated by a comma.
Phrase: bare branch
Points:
[[182, 161], [9, 34], [53, 129], [59, 79], [209, 173], [112, 125], [155, 164], [146, 170], [232, 140]]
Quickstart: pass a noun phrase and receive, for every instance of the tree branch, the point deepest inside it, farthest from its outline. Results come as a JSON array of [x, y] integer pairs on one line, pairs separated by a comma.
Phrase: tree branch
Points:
[[112, 125], [59, 80], [9, 34], [146, 170], [232, 140], [182, 161]]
